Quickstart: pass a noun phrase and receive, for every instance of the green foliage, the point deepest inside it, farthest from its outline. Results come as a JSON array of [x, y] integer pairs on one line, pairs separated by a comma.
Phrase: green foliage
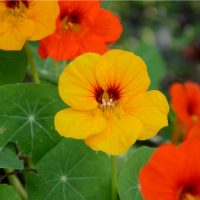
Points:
[[8, 193], [26, 117], [9, 159], [71, 171], [128, 186], [12, 66]]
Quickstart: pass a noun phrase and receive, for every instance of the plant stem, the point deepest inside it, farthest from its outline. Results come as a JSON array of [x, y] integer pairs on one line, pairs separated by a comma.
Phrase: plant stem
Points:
[[114, 177], [15, 182], [55, 64], [64, 63], [32, 64]]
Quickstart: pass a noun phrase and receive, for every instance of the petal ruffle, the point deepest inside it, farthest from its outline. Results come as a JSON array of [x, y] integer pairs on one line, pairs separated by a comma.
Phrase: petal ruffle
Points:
[[151, 108], [118, 135], [124, 70], [79, 124], [107, 26], [77, 82]]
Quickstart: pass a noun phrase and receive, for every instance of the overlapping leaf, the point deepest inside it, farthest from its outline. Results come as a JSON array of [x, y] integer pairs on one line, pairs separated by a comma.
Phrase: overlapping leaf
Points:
[[8, 159], [26, 117], [71, 171], [129, 187]]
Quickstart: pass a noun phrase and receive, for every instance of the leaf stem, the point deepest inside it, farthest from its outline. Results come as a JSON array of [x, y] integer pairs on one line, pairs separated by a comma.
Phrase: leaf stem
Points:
[[114, 177], [32, 64], [15, 182], [55, 64]]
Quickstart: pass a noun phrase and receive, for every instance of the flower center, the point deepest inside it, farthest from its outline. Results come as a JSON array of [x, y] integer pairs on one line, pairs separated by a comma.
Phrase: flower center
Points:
[[195, 118], [17, 4], [107, 99], [71, 22], [16, 9], [188, 196]]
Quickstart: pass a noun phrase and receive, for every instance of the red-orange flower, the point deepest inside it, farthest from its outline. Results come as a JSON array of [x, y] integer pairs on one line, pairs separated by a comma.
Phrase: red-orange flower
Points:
[[82, 26], [186, 105], [172, 173]]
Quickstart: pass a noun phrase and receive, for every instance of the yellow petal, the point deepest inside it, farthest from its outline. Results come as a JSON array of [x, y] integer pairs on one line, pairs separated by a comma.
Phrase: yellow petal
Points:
[[44, 14], [77, 81], [118, 135], [123, 69], [79, 124], [151, 108], [16, 33], [3, 22]]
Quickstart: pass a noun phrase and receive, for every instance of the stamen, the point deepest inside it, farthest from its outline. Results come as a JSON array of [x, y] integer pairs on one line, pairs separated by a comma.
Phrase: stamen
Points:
[[107, 103]]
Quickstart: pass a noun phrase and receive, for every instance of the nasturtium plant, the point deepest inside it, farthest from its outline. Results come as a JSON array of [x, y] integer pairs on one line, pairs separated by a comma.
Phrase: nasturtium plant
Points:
[[12, 66], [8, 193], [71, 171], [128, 185], [80, 117], [26, 116]]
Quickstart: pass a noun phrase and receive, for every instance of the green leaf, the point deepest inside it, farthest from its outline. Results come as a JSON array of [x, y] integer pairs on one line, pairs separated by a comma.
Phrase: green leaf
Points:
[[8, 159], [155, 63], [26, 117], [46, 67], [71, 171], [8, 193], [128, 185], [12, 66]]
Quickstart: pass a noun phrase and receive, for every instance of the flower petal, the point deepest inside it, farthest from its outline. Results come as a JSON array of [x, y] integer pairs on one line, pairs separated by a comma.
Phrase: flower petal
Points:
[[44, 14], [151, 108], [118, 135], [107, 26], [125, 70], [79, 124], [77, 82], [59, 47], [193, 132], [87, 44], [185, 101], [16, 33]]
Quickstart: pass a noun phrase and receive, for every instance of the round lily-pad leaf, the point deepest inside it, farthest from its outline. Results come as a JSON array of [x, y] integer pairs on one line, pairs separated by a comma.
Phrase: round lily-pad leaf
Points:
[[8, 193], [12, 66], [26, 118], [128, 185], [71, 171]]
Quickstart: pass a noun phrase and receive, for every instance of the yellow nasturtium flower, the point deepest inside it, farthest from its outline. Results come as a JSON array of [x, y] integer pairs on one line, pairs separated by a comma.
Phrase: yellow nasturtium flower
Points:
[[22, 20], [110, 107]]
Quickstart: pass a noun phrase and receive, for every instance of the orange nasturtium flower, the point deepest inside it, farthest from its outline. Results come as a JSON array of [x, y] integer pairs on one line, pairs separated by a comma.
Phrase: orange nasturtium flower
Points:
[[186, 105], [110, 107], [172, 173], [22, 20], [82, 26]]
